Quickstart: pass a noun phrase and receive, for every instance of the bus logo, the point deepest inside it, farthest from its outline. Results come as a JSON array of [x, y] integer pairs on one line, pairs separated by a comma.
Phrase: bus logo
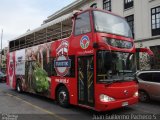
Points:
[[126, 92], [62, 63], [84, 42]]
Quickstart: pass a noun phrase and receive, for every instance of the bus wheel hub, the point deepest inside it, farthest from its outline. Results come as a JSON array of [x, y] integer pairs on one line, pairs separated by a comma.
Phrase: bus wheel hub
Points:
[[62, 96]]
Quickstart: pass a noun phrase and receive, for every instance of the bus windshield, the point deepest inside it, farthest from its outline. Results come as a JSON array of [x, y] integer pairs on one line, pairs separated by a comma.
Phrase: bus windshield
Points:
[[109, 23], [115, 66]]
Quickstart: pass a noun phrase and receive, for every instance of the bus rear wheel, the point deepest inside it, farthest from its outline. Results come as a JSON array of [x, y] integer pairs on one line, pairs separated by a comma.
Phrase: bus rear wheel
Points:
[[63, 97], [19, 86]]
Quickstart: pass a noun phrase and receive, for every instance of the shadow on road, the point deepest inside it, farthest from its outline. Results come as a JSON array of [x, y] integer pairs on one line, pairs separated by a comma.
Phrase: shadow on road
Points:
[[80, 113], [76, 109]]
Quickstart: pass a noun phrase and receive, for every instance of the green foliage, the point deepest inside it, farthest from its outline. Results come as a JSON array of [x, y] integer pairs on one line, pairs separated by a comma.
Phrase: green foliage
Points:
[[3, 61], [40, 79]]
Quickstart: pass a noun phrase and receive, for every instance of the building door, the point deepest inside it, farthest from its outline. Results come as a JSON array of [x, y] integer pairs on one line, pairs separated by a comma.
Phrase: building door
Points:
[[86, 80]]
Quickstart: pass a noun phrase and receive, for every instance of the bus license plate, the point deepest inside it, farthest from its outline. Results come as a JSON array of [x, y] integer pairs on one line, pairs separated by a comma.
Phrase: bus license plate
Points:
[[124, 104]]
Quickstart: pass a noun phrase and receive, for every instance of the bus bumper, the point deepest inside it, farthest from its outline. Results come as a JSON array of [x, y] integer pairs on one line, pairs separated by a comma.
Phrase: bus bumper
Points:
[[103, 106]]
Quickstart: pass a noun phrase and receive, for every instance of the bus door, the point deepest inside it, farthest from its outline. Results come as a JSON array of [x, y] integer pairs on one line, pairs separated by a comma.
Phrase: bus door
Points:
[[86, 80]]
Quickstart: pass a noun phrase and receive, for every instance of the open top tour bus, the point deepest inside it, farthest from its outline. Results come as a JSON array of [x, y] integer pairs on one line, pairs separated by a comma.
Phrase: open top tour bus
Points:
[[85, 59]]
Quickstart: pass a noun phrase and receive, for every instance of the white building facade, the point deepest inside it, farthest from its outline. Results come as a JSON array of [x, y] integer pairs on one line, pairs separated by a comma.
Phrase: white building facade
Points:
[[143, 17]]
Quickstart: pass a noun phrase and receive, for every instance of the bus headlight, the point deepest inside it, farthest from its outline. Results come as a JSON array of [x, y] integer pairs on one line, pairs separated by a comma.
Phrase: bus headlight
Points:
[[105, 98], [136, 94]]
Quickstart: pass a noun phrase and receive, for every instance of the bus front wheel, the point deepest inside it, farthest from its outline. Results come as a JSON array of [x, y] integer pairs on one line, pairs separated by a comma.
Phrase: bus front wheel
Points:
[[63, 97]]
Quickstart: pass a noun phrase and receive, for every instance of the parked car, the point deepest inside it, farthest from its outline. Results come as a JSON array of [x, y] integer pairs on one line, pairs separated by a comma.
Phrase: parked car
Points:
[[2, 77], [149, 85]]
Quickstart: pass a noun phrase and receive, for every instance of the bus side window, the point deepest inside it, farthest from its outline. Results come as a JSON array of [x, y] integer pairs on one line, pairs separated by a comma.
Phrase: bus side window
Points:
[[82, 24]]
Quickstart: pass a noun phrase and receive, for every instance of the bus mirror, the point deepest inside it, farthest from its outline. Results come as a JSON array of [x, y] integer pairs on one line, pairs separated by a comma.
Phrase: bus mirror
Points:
[[146, 50], [149, 52]]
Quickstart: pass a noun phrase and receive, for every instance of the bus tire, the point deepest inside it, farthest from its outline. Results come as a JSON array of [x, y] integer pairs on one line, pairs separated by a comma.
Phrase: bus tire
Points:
[[19, 86], [63, 97]]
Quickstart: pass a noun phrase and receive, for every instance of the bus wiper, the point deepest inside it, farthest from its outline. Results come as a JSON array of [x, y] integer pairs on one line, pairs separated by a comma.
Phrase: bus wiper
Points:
[[114, 81]]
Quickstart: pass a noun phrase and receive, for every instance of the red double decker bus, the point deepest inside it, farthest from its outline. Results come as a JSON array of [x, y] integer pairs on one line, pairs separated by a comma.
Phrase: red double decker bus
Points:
[[85, 59]]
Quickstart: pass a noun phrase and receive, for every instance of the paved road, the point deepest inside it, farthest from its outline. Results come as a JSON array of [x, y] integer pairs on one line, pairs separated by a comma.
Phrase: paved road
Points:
[[28, 106]]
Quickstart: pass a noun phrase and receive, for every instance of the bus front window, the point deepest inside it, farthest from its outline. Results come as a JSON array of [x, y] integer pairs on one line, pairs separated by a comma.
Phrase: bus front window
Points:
[[115, 66], [82, 24], [105, 22]]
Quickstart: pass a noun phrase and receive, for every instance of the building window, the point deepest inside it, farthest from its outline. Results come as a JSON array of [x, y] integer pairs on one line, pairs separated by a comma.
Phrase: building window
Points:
[[128, 4], [130, 20], [107, 5], [155, 16], [94, 5]]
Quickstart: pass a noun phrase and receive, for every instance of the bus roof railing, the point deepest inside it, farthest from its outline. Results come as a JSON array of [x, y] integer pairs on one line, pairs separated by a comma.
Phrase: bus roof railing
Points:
[[57, 29], [56, 21]]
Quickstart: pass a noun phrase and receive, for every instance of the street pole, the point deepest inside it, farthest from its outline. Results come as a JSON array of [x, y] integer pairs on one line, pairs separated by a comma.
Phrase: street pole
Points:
[[1, 48]]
